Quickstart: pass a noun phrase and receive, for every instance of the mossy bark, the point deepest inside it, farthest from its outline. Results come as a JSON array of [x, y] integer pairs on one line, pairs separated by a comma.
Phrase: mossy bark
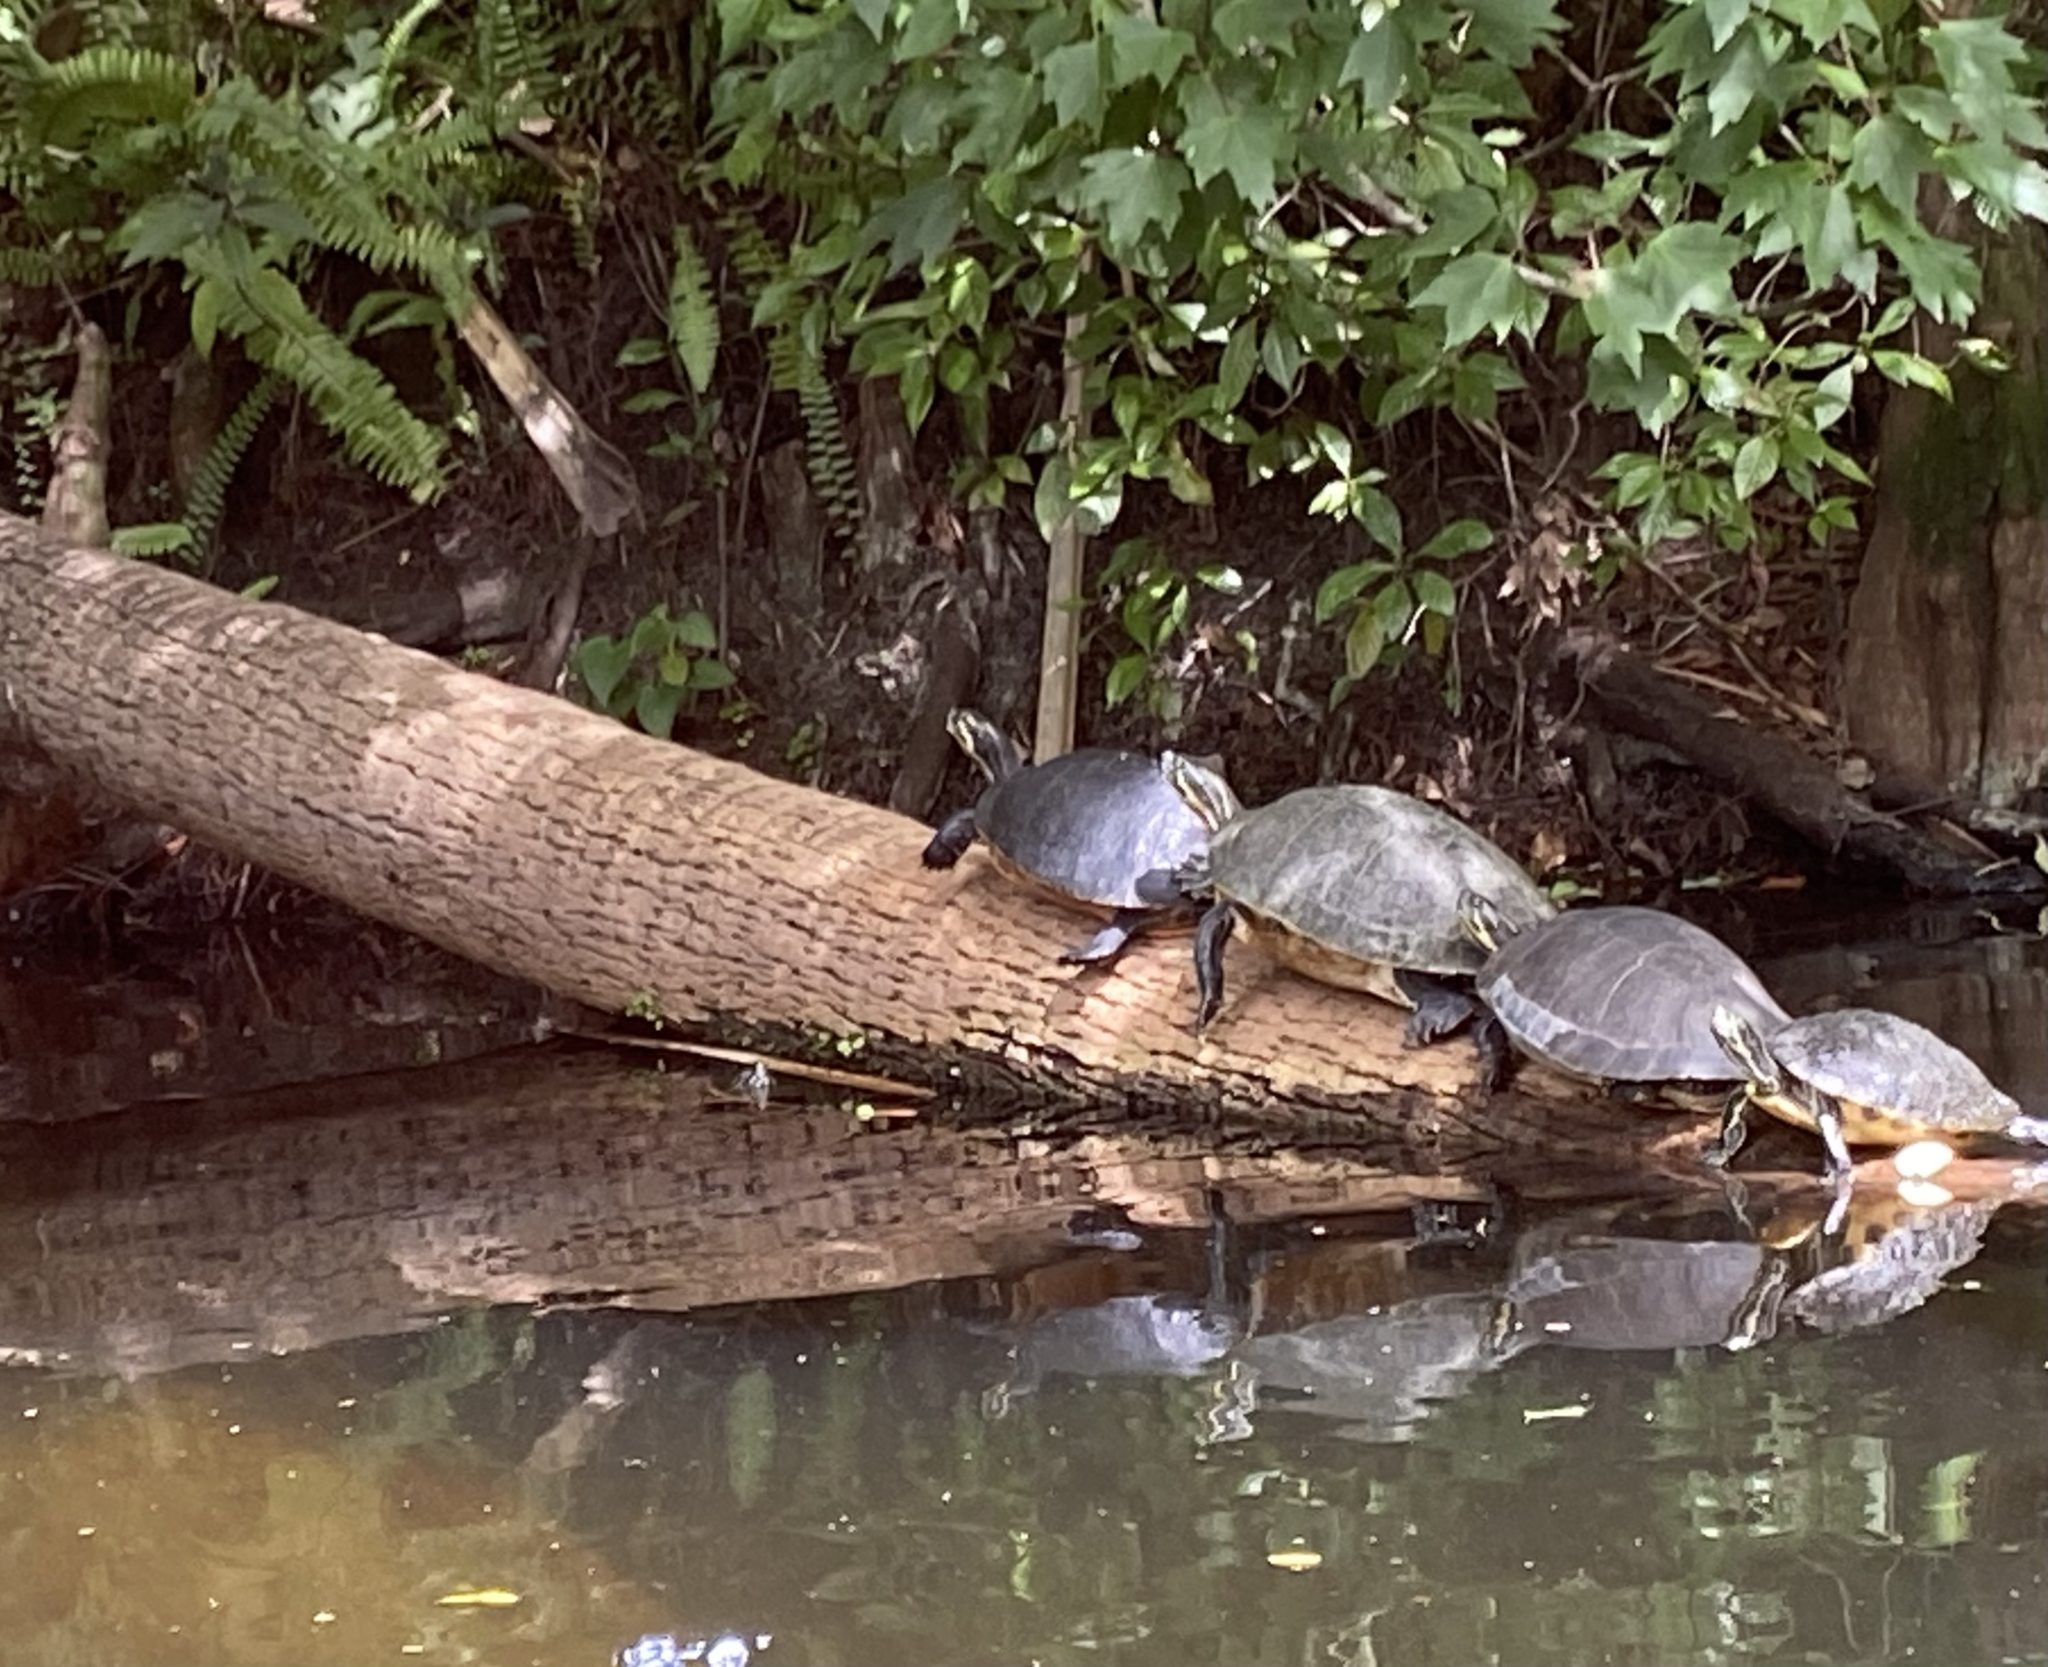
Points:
[[1946, 668]]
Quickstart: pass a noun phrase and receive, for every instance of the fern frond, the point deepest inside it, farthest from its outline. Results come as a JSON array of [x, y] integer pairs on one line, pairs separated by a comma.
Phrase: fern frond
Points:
[[207, 504], [23, 268], [348, 394], [579, 197], [692, 313], [128, 84], [391, 50], [153, 538], [826, 453]]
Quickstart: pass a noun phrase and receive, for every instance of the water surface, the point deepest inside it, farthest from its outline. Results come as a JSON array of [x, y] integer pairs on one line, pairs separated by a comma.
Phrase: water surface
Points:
[[601, 1352]]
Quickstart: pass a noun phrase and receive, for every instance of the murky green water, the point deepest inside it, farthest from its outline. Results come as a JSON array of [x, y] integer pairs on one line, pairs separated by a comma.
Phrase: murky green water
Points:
[[605, 1355]]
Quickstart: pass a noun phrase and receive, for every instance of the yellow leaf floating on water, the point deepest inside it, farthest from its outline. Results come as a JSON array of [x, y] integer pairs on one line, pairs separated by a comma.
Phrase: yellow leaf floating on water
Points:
[[472, 1597], [1295, 1559]]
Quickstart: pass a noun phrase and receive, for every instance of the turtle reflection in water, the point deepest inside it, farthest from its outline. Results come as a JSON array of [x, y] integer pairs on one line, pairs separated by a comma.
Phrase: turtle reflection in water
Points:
[[1575, 1288], [1354, 886], [1859, 1077], [1612, 995], [1097, 828]]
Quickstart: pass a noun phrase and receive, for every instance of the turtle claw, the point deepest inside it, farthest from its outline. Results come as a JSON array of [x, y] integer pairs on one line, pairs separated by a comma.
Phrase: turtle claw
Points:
[[1111, 941], [1438, 1009]]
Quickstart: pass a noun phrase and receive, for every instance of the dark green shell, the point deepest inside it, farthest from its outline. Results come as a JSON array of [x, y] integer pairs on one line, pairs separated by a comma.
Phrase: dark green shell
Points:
[[1371, 873], [1089, 824], [1624, 994]]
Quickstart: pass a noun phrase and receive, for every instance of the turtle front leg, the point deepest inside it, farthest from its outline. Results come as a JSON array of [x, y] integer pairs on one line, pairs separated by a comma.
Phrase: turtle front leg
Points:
[[1496, 1055], [1113, 939], [950, 843], [1437, 1007], [1210, 937], [1827, 1118], [1734, 1131]]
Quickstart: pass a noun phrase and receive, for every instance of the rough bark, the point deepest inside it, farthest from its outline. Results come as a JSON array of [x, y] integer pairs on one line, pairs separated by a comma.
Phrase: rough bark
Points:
[[951, 668], [549, 842], [1777, 775], [888, 477], [1946, 665]]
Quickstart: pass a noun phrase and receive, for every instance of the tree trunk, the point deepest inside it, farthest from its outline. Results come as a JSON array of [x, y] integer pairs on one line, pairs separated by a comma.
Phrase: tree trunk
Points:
[[1946, 667], [552, 843]]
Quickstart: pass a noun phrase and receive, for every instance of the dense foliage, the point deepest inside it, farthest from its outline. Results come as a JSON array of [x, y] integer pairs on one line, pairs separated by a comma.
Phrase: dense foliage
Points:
[[1273, 235]]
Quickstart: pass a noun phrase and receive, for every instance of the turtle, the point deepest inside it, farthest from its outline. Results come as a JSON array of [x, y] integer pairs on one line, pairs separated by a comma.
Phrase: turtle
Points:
[[1097, 827], [1614, 994], [1352, 885], [1860, 1077]]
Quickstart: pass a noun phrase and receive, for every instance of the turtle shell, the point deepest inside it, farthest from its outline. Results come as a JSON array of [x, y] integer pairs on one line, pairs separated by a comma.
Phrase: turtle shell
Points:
[[1895, 1080], [1624, 994], [1088, 824], [1369, 875]]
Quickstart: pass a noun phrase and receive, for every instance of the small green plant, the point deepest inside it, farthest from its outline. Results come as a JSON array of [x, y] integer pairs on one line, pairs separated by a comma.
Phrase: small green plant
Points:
[[657, 668], [1390, 602], [643, 1004], [689, 345], [1153, 598]]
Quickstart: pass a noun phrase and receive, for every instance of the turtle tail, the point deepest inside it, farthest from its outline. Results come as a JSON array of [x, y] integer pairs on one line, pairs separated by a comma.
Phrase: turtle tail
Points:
[[2029, 1131]]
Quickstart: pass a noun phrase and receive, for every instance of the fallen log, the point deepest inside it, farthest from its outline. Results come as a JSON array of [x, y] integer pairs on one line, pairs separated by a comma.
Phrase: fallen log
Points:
[[1771, 772], [551, 843]]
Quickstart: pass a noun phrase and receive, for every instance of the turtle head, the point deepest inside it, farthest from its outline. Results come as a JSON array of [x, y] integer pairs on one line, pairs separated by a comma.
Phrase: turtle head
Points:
[[1481, 920], [1206, 792], [993, 752], [1742, 1043]]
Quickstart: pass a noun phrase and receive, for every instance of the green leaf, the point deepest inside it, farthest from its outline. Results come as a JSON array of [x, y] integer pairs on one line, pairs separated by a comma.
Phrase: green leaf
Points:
[[1458, 538], [1363, 643], [959, 367], [738, 23], [641, 350], [1134, 189], [601, 662], [1831, 399], [1380, 61], [919, 224], [1344, 585], [208, 298], [1138, 48], [1512, 30], [1433, 592], [1888, 156], [674, 668], [1737, 80], [1125, 676], [695, 631], [874, 13], [1375, 511], [710, 674], [655, 708], [1249, 144], [1755, 465], [256, 589], [1724, 17], [1240, 359], [1073, 76], [1241, 23], [1221, 578], [649, 399], [1911, 370], [932, 24], [915, 385], [1483, 291]]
